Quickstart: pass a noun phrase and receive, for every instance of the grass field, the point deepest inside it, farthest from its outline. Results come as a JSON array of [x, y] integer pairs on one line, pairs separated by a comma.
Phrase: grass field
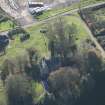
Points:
[[81, 34], [4, 26]]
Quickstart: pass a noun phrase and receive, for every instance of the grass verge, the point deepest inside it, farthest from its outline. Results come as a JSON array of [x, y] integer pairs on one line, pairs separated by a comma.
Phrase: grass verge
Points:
[[57, 11]]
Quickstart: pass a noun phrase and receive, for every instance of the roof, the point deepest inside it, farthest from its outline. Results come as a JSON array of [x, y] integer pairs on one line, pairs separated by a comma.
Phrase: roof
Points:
[[38, 9], [36, 3]]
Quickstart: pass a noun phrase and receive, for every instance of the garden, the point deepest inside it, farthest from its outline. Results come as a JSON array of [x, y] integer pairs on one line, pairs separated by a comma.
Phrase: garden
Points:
[[36, 40], [95, 20], [25, 66]]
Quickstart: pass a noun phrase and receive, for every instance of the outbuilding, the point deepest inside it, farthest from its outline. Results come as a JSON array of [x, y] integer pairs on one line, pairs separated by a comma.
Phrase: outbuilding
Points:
[[36, 7]]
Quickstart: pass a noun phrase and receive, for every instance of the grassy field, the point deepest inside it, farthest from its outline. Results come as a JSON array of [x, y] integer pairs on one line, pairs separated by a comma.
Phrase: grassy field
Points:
[[81, 32], [4, 26], [17, 48]]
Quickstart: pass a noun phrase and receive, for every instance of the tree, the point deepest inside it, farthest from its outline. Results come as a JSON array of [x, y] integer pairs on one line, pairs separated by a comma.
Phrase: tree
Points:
[[22, 61], [8, 68], [67, 90], [31, 66], [68, 85], [33, 55], [19, 90], [43, 31], [48, 100], [94, 62], [61, 38]]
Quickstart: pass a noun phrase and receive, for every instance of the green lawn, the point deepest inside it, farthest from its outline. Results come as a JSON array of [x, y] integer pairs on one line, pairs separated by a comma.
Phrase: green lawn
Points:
[[4, 26], [82, 34], [17, 48]]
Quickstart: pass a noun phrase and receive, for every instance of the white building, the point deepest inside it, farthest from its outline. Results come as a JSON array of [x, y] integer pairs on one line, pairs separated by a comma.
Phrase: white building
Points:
[[36, 7]]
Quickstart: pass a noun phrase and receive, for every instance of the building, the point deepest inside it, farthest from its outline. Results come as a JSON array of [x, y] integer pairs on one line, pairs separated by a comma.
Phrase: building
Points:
[[36, 7], [35, 4]]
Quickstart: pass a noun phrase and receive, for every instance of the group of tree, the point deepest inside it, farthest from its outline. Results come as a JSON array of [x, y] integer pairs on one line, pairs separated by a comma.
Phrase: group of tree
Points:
[[62, 38], [17, 75], [68, 85], [72, 85], [19, 91], [20, 32], [27, 63]]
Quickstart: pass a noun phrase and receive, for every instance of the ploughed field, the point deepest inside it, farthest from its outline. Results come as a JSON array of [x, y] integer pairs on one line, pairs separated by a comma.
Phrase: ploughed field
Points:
[[95, 19]]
